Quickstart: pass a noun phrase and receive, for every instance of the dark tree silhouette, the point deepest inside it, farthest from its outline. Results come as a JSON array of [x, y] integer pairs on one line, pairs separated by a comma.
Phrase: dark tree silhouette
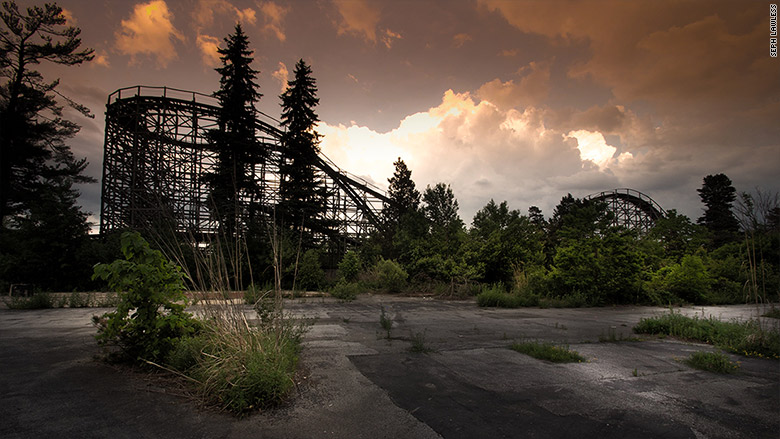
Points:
[[718, 194], [302, 191], [403, 194], [232, 183], [33, 153], [441, 207], [42, 229]]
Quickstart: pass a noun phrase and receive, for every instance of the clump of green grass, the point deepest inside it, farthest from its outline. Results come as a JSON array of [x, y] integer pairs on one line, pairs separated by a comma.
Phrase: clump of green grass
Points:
[[747, 338], [548, 351], [496, 296], [712, 362], [418, 344], [241, 368]]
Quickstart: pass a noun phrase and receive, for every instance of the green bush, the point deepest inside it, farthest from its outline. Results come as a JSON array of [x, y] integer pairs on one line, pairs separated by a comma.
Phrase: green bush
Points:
[[349, 267], [689, 281], [310, 273], [496, 296], [391, 277], [148, 321], [345, 290]]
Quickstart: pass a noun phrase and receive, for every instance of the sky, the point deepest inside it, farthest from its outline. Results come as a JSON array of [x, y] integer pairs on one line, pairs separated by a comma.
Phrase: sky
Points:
[[517, 101]]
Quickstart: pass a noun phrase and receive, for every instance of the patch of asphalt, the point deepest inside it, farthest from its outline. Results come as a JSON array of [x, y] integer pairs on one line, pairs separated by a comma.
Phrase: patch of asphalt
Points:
[[358, 383]]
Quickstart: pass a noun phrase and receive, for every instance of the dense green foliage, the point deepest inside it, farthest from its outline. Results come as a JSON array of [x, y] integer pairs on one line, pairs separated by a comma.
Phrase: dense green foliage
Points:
[[149, 319]]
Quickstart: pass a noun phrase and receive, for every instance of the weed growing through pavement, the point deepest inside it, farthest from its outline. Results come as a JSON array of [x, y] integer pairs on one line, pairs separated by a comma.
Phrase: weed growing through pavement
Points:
[[548, 351], [613, 336], [747, 338], [418, 343], [717, 362], [385, 322]]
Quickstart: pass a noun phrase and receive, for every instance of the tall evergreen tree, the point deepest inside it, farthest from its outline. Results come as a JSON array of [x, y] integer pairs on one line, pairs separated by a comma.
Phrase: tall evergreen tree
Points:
[[302, 191], [232, 182], [403, 195], [718, 194], [441, 207], [41, 226], [33, 153]]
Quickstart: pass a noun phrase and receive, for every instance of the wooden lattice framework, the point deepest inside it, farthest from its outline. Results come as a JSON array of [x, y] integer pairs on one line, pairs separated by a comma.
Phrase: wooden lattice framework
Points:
[[632, 209], [156, 153]]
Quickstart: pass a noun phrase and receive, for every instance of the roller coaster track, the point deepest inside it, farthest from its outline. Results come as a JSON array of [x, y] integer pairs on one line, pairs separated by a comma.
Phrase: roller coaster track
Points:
[[631, 208], [156, 153]]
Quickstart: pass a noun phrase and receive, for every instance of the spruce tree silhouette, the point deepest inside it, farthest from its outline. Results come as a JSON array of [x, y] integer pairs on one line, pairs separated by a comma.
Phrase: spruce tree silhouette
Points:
[[232, 182], [302, 191]]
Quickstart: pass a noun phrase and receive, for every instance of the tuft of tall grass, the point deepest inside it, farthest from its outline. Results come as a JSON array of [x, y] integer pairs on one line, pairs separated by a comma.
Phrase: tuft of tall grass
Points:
[[548, 351], [747, 338], [712, 362]]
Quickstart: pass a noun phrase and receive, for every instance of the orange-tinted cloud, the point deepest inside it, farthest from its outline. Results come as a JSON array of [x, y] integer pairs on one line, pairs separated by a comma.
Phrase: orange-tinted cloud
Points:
[[358, 17], [641, 50], [149, 31], [460, 39], [206, 10], [208, 46], [281, 74], [70, 20], [273, 19], [531, 89], [101, 59]]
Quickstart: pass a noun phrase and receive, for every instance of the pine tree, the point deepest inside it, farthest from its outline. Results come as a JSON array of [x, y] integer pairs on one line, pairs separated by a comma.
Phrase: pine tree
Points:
[[33, 152], [232, 182], [402, 193], [302, 191], [718, 194], [41, 226]]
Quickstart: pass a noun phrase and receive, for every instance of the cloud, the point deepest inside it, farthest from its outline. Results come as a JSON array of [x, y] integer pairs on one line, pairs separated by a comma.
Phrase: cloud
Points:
[[482, 150], [70, 20], [149, 31], [389, 37], [208, 46], [101, 59], [460, 39], [358, 17], [281, 74], [205, 11], [273, 19], [531, 89], [361, 18], [593, 147]]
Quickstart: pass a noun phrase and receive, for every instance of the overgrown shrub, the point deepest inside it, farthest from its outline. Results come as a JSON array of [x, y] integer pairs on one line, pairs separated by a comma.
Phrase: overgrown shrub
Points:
[[349, 267], [239, 368], [390, 275], [150, 318], [712, 362], [311, 276], [345, 290]]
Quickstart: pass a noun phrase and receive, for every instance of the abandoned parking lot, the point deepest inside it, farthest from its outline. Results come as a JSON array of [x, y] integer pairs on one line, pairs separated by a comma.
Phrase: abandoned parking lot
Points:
[[357, 382]]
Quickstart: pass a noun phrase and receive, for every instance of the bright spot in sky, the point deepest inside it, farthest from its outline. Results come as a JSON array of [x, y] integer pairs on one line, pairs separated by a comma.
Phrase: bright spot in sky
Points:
[[593, 147]]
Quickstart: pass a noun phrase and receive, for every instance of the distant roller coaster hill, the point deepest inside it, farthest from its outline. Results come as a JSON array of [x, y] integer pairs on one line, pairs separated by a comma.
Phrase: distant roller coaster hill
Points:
[[156, 153], [632, 209]]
